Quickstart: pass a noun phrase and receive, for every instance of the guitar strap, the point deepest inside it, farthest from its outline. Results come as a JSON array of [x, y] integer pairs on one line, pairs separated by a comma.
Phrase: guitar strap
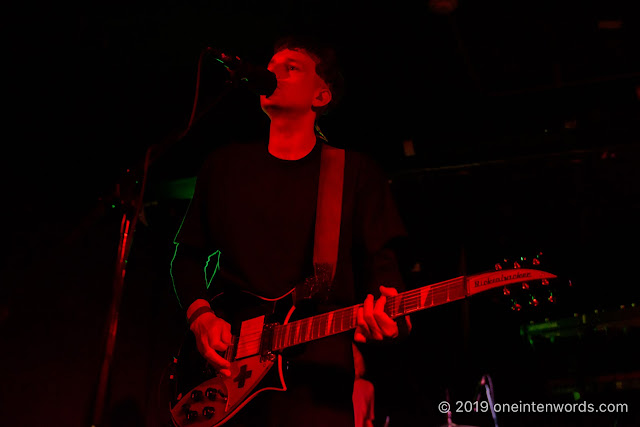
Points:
[[328, 214]]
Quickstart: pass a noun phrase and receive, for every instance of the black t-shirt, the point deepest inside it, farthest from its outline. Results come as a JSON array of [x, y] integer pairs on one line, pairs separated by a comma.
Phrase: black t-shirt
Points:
[[251, 221]]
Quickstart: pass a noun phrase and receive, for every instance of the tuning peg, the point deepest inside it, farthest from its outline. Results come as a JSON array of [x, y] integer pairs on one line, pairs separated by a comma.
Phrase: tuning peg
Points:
[[525, 286], [506, 291], [551, 298], [545, 282], [516, 265], [498, 266], [515, 306], [536, 261], [533, 301], [211, 393], [196, 395]]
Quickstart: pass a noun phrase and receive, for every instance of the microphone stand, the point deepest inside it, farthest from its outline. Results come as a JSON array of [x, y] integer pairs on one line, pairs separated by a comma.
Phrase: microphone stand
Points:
[[132, 210]]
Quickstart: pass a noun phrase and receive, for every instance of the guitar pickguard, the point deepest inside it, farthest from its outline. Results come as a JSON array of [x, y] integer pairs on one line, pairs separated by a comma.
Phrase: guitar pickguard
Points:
[[214, 401]]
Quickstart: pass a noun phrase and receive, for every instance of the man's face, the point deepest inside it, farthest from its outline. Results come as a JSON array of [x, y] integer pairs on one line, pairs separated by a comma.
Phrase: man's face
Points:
[[299, 87]]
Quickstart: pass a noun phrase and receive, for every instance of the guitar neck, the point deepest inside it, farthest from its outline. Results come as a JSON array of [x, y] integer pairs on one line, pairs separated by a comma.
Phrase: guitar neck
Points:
[[344, 319]]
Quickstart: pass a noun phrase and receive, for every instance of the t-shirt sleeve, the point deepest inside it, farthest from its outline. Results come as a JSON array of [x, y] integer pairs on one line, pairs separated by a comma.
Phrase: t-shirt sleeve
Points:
[[192, 251]]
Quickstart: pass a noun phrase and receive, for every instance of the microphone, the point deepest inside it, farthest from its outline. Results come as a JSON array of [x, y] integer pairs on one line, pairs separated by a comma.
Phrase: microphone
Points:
[[253, 77]]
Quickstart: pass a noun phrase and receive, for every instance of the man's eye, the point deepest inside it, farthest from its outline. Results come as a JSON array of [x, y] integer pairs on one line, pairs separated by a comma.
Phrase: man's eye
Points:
[[292, 67]]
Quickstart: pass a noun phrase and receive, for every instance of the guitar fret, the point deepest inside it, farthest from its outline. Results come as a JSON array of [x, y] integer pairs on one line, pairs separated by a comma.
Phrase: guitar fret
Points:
[[353, 317], [291, 340], [307, 330], [294, 331], [343, 320], [390, 306], [330, 326], [314, 328], [297, 338], [428, 293], [334, 323], [322, 325], [287, 340]]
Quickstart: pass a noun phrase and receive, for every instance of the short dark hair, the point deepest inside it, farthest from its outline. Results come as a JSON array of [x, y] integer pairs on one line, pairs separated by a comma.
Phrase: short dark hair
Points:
[[327, 65]]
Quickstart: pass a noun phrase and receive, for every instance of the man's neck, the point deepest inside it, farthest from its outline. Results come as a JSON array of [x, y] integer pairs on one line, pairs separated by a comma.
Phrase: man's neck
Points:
[[291, 139]]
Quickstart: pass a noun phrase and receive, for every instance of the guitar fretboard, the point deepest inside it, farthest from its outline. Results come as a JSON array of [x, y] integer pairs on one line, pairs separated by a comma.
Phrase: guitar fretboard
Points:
[[342, 320]]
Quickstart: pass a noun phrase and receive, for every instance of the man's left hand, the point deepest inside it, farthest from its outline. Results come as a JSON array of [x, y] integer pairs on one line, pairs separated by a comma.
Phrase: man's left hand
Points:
[[373, 322]]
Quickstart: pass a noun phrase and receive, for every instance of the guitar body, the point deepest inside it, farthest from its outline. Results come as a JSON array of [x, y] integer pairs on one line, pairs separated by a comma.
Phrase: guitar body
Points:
[[201, 397]]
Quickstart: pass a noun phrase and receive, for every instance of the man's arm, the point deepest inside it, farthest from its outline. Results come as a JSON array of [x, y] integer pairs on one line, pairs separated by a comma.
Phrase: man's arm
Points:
[[190, 282]]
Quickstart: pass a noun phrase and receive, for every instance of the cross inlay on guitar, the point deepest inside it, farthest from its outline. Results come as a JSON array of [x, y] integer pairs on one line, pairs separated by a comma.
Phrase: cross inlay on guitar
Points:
[[242, 376]]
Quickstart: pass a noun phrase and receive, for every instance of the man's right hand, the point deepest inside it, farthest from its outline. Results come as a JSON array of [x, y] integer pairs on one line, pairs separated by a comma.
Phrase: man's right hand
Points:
[[213, 334]]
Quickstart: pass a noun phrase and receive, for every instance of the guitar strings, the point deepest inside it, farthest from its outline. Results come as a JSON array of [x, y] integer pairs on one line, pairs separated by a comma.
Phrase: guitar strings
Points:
[[284, 335], [303, 330]]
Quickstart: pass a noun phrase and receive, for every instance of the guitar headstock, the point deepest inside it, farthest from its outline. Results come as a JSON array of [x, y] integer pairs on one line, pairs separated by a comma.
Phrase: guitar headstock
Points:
[[535, 294]]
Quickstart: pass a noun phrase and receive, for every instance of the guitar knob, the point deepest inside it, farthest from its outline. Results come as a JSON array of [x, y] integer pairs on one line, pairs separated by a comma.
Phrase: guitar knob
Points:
[[545, 282], [196, 395], [515, 306], [192, 415], [209, 411], [525, 286], [498, 266], [536, 261], [211, 393], [506, 291]]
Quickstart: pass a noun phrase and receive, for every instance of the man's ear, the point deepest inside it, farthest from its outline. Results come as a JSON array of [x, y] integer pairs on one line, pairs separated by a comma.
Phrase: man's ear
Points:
[[322, 98]]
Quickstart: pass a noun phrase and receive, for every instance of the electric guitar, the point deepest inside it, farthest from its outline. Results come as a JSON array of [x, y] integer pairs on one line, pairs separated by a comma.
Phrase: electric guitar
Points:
[[200, 398]]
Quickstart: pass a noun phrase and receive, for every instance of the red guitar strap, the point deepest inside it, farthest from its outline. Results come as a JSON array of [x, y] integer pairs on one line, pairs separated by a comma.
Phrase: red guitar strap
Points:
[[328, 213]]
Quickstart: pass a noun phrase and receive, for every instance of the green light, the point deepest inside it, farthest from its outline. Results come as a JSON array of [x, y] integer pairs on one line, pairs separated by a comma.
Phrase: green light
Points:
[[113, 206], [182, 188], [576, 396], [215, 270], [175, 252]]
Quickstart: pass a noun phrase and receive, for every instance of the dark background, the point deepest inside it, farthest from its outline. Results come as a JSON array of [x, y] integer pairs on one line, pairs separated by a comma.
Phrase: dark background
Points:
[[524, 118]]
